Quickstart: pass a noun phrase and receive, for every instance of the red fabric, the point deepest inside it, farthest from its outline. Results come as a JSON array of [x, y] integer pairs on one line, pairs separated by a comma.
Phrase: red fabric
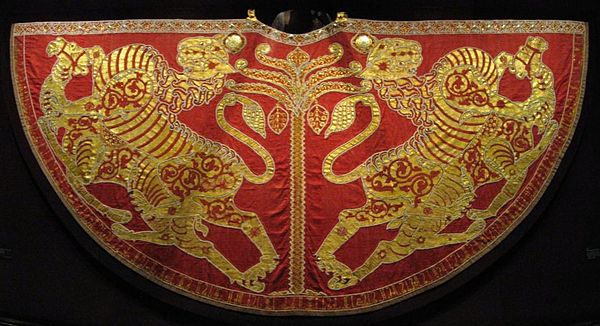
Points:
[[172, 267]]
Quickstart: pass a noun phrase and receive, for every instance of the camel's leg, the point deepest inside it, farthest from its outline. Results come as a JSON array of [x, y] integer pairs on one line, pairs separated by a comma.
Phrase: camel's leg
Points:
[[255, 231], [188, 242], [161, 233], [514, 172], [350, 221], [386, 252], [414, 235], [181, 233], [185, 216], [229, 215], [205, 249]]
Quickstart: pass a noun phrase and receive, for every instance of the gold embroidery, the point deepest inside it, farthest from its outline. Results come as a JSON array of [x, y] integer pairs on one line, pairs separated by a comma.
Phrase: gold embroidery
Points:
[[296, 83], [278, 119], [127, 133], [395, 93], [392, 59], [362, 42], [203, 57], [297, 206], [234, 42], [344, 114], [317, 117], [298, 80], [468, 135], [254, 116], [351, 25]]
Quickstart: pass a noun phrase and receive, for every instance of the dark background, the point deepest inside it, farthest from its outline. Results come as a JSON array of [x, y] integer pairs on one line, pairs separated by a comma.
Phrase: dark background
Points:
[[543, 274]]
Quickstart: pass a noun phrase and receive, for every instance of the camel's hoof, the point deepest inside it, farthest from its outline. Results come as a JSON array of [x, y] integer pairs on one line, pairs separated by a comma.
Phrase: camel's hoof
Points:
[[338, 282]]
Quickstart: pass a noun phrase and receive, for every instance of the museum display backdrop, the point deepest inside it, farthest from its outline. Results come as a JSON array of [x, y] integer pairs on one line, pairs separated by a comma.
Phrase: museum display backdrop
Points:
[[332, 172]]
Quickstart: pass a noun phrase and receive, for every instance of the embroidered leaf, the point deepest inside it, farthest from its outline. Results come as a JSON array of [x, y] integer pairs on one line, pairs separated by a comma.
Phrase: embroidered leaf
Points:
[[343, 116], [317, 117], [278, 119], [254, 116], [298, 57]]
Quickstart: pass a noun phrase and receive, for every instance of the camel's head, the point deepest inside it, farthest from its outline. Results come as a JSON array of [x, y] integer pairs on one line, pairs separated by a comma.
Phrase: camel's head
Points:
[[72, 59]]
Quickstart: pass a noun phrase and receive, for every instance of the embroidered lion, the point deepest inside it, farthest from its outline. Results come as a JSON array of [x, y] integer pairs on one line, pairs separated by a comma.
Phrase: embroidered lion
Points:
[[127, 132], [468, 135]]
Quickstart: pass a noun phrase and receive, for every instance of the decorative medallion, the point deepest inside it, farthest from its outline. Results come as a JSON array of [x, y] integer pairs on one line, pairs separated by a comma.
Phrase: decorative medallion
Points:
[[331, 172]]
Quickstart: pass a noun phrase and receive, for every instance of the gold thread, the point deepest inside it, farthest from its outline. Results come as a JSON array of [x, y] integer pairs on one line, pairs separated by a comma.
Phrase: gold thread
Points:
[[297, 197], [567, 139], [352, 25]]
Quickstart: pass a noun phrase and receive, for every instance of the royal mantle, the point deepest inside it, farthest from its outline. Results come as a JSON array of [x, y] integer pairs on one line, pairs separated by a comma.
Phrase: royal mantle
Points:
[[331, 172]]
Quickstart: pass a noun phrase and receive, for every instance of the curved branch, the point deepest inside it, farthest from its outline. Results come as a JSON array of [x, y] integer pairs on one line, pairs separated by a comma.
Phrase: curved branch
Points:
[[259, 88], [340, 87], [336, 50], [272, 77], [328, 74], [261, 56]]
